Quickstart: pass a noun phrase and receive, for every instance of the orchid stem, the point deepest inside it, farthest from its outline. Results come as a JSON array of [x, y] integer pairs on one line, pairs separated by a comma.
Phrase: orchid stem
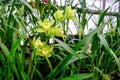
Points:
[[49, 63]]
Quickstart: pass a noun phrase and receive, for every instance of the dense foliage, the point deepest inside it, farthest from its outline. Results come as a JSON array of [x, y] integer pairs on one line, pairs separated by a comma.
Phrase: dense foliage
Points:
[[35, 44]]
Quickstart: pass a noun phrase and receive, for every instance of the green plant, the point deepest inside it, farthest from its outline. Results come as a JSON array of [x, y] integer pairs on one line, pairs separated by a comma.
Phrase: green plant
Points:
[[26, 29]]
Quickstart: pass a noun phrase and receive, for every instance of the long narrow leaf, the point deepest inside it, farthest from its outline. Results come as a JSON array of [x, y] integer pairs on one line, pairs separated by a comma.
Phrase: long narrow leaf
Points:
[[24, 75], [15, 46], [7, 54], [102, 15], [5, 50], [2, 59], [104, 42], [65, 46], [84, 42], [33, 11], [78, 77]]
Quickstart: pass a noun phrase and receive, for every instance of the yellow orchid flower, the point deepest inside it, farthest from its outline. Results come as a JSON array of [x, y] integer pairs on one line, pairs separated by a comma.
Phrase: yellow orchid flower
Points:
[[45, 51], [59, 15], [37, 42], [41, 48], [56, 31], [70, 13], [46, 25]]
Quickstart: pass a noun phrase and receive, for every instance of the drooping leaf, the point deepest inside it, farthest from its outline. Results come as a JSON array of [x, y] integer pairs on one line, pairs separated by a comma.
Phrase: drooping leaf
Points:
[[78, 76]]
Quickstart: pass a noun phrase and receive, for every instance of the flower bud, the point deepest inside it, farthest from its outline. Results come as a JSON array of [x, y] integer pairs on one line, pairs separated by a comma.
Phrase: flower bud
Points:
[[46, 1]]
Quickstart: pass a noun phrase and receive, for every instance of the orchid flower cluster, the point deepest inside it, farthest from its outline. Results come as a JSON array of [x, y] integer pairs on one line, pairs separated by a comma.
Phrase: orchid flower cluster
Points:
[[52, 28], [69, 14], [42, 49]]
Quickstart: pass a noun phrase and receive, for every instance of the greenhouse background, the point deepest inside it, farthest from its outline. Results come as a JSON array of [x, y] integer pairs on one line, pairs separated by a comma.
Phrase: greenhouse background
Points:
[[59, 39], [95, 6]]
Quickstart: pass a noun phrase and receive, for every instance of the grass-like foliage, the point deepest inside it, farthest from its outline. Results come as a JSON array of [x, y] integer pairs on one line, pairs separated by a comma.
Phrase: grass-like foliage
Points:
[[36, 42]]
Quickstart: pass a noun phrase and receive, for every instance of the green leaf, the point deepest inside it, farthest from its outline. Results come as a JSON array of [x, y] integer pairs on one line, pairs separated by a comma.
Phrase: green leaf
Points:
[[84, 42], [59, 67], [24, 75], [10, 59], [78, 77], [102, 15], [15, 46], [104, 42], [39, 74], [22, 29], [15, 69], [5, 49], [10, 15], [73, 59], [2, 60], [32, 9], [65, 46]]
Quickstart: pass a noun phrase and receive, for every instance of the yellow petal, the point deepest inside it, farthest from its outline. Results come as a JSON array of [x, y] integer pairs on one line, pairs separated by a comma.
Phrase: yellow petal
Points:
[[41, 30]]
